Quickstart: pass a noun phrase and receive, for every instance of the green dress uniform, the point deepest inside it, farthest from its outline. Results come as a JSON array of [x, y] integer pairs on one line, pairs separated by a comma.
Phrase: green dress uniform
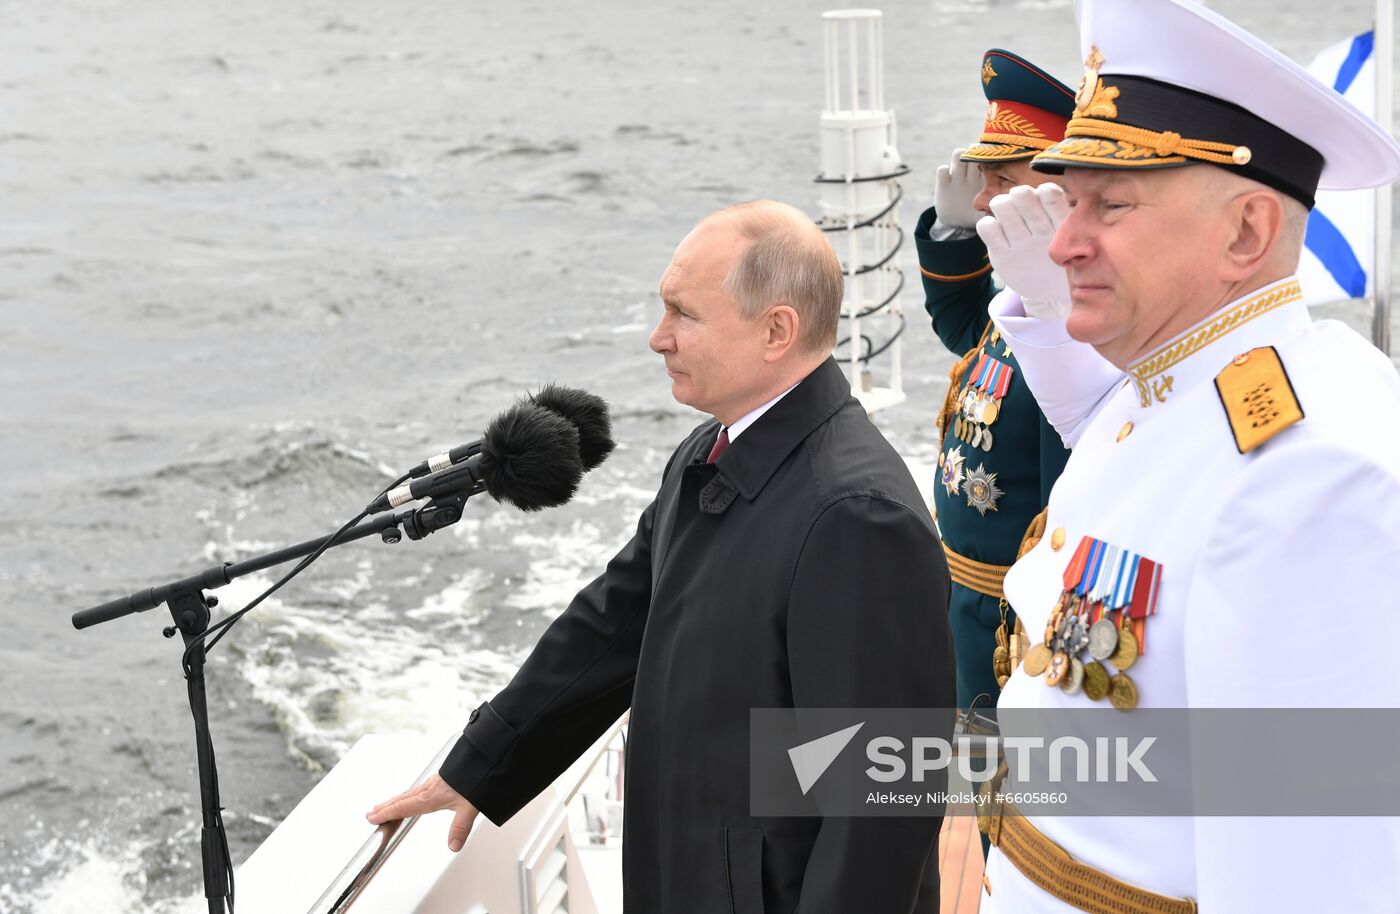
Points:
[[998, 456], [984, 499]]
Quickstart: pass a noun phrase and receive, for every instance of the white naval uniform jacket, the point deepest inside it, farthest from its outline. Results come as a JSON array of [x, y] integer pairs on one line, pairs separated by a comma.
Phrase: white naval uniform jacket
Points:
[[1261, 553]]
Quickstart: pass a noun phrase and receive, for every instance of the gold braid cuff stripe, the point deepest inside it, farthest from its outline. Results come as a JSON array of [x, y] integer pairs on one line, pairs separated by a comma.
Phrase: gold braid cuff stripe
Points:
[[943, 277], [1136, 143], [974, 575], [1143, 372]]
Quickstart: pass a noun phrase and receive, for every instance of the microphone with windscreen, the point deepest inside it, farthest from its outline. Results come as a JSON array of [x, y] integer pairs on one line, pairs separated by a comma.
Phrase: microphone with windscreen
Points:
[[529, 457], [586, 412]]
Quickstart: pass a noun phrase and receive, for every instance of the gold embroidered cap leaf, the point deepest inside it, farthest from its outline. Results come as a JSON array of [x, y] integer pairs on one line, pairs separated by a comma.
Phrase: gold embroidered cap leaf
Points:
[[1098, 104], [999, 121]]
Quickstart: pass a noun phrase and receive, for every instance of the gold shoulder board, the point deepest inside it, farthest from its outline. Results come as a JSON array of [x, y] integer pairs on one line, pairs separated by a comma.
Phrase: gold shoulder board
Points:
[[1258, 397]]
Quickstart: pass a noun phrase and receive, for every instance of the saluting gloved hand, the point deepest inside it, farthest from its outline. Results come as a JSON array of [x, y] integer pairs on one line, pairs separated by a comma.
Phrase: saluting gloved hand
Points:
[[957, 184], [1017, 235]]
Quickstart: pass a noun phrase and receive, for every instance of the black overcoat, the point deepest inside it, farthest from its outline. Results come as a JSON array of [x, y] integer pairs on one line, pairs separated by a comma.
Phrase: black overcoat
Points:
[[801, 569]]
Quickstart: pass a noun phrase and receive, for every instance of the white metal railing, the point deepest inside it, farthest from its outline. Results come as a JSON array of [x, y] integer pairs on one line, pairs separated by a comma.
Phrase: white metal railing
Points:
[[545, 868], [365, 864]]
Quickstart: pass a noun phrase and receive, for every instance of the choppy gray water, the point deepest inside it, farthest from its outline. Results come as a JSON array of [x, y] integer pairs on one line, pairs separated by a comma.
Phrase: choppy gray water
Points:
[[253, 257]]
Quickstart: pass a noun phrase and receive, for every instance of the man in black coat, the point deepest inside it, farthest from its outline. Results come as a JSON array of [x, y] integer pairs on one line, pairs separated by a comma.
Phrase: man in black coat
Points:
[[788, 561]]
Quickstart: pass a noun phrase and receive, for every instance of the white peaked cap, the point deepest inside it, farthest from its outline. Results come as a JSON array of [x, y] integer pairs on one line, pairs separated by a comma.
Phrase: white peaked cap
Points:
[[1180, 44]]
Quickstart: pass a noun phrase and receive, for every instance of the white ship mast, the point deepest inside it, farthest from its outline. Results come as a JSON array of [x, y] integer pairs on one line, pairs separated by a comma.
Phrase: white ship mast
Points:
[[860, 199]]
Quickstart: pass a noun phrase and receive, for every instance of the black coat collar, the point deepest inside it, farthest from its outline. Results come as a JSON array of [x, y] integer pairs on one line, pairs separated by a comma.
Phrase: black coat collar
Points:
[[752, 460]]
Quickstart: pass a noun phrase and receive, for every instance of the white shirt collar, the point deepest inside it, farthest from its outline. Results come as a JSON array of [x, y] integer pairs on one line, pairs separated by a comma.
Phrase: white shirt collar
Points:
[[753, 415]]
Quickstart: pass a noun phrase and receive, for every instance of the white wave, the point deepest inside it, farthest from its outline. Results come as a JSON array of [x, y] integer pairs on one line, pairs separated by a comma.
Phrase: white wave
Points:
[[351, 589], [634, 496], [331, 676], [560, 565], [96, 881], [455, 601]]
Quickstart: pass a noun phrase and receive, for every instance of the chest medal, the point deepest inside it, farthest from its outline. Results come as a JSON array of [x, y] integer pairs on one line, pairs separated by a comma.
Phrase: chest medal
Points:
[[951, 472], [982, 491], [1099, 622], [979, 402]]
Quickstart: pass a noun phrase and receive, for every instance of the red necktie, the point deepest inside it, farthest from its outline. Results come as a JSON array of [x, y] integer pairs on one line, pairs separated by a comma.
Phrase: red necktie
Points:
[[721, 443]]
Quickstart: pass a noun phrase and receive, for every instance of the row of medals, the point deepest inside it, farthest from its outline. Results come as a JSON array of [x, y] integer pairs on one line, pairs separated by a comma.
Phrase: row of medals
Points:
[[1067, 634], [976, 412]]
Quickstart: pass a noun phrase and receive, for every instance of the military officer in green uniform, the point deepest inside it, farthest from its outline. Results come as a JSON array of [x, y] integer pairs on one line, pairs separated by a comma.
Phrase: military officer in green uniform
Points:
[[998, 457]]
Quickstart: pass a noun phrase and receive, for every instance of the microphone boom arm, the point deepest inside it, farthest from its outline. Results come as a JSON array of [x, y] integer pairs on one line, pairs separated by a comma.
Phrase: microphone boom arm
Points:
[[416, 522]]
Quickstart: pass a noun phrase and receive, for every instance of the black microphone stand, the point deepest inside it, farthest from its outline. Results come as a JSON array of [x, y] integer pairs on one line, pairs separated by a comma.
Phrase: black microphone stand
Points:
[[189, 608]]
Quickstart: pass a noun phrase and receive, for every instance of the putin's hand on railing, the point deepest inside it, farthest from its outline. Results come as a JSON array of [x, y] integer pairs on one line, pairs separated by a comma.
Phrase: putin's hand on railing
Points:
[[430, 796]]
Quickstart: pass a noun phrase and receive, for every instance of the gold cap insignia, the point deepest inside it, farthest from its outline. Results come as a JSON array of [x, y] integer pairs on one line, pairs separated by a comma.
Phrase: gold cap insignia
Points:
[[1093, 98], [1091, 77], [987, 72]]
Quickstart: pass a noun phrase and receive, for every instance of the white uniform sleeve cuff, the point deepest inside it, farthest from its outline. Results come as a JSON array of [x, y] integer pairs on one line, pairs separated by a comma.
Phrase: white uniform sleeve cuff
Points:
[[1069, 379], [942, 231], [1008, 311]]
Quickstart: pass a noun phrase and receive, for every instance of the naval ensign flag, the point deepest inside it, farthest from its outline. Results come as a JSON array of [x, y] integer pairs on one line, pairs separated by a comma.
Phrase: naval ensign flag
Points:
[[1339, 252]]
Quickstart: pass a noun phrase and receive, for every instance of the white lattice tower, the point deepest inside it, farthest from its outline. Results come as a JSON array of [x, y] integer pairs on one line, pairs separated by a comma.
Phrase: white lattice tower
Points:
[[860, 196]]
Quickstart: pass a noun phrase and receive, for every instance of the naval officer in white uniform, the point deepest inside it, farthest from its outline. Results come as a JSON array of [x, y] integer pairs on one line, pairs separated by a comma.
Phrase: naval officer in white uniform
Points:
[[1236, 465]]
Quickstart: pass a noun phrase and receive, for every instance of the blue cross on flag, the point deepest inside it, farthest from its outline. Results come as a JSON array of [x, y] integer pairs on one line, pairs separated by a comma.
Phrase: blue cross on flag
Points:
[[1339, 250]]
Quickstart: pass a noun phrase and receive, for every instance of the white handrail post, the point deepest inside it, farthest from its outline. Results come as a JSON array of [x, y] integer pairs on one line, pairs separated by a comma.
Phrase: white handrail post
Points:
[[1385, 79]]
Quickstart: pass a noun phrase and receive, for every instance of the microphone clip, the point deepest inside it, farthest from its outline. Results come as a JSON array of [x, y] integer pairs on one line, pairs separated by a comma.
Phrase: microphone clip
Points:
[[439, 512]]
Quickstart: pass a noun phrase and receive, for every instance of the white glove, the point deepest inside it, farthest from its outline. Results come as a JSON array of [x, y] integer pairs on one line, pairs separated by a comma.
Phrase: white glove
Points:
[[1017, 235], [957, 184]]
